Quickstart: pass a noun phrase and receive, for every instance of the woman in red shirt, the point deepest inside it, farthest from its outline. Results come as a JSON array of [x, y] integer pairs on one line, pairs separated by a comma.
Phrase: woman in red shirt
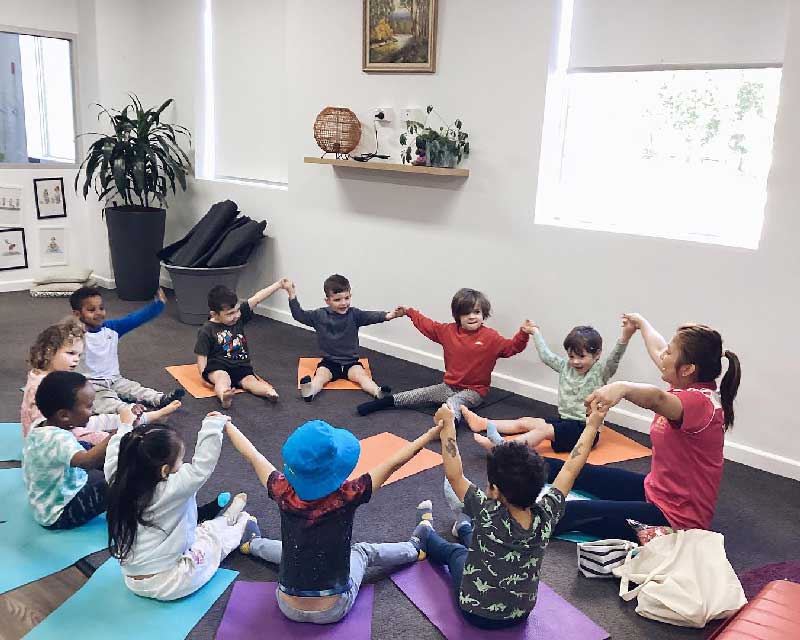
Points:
[[687, 435]]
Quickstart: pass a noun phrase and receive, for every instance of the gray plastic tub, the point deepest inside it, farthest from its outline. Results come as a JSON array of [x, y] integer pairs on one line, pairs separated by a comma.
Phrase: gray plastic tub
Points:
[[192, 284]]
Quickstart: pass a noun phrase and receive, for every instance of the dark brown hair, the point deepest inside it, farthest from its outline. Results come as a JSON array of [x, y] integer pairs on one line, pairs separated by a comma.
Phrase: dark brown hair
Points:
[[220, 298], [465, 301], [583, 339], [335, 284], [77, 297], [49, 341], [701, 346]]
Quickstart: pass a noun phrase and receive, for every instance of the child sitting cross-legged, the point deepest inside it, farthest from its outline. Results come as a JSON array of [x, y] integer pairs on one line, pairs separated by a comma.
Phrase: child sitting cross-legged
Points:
[[505, 530], [100, 361], [59, 348], [580, 374], [223, 358], [320, 572], [63, 479], [167, 547], [337, 326]]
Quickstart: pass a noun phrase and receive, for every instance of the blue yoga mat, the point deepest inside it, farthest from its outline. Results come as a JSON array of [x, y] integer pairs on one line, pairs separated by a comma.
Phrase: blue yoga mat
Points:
[[10, 441], [104, 608], [575, 536], [28, 551]]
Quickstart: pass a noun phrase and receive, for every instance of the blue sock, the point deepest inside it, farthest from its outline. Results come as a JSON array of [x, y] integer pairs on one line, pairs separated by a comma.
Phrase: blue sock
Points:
[[493, 434]]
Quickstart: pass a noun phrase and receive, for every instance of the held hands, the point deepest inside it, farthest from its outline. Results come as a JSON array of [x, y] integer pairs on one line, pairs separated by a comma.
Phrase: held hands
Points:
[[597, 412], [606, 397], [631, 323], [529, 328], [398, 312], [288, 286]]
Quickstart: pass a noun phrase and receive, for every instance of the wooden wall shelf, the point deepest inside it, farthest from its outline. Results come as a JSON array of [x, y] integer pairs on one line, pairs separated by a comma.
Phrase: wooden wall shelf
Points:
[[379, 165]]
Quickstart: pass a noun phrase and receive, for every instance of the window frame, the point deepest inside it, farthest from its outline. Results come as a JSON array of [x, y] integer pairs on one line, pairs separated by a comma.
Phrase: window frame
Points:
[[72, 38]]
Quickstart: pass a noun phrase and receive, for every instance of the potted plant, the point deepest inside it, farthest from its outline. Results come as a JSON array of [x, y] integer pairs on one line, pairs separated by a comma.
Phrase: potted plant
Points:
[[132, 170], [445, 147]]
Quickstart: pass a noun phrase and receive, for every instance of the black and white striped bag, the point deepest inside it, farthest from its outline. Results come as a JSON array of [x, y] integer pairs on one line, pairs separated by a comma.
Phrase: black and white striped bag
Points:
[[597, 559]]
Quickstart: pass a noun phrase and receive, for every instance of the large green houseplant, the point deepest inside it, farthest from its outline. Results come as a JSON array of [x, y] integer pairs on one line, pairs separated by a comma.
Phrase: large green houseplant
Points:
[[442, 147], [133, 170]]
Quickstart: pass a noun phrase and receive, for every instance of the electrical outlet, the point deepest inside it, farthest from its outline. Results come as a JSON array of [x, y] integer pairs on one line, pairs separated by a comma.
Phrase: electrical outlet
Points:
[[414, 114], [384, 114]]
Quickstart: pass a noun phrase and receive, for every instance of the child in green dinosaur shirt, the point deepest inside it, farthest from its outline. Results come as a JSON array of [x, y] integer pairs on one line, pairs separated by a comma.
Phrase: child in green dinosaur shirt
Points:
[[505, 530]]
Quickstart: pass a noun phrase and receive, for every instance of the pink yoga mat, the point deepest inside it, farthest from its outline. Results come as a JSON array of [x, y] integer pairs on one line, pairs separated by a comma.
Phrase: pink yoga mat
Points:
[[252, 614], [429, 587]]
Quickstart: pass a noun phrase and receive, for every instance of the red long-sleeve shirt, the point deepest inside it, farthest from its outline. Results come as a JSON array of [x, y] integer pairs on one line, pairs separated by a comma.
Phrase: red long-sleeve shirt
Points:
[[469, 356]]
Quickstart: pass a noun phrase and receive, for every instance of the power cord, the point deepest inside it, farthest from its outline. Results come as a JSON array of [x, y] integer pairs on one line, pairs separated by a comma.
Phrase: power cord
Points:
[[366, 157]]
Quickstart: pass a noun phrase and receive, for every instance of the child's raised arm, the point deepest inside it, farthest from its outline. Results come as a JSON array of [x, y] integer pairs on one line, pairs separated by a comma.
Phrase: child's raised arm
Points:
[[611, 362], [653, 340], [427, 327], [260, 464], [381, 473], [453, 469], [556, 363], [141, 316], [266, 292], [572, 467]]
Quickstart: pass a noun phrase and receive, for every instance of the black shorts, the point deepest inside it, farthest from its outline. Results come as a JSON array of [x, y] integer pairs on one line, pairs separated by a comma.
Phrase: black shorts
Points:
[[567, 434], [236, 373], [338, 370]]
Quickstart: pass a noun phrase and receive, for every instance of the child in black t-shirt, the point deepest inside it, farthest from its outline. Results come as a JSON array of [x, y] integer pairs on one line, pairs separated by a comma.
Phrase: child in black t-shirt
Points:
[[222, 355]]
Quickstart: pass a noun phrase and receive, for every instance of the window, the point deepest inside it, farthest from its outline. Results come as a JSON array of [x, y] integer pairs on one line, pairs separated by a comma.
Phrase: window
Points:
[[36, 101], [665, 150], [245, 97]]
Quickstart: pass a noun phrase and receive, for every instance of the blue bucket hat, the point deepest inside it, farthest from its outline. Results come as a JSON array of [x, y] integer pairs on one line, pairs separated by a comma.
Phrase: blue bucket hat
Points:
[[317, 458]]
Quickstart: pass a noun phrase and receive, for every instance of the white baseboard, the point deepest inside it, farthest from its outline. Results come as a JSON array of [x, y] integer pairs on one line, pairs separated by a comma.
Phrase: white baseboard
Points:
[[22, 284], [734, 451]]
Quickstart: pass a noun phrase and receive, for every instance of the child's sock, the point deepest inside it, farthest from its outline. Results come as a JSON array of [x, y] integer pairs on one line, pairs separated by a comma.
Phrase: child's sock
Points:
[[306, 388], [223, 499], [212, 509], [475, 422], [175, 394], [251, 532], [375, 405], [461, 526], [492, 433], [235, 507], [383, 392], [419, 537], [456, 506]]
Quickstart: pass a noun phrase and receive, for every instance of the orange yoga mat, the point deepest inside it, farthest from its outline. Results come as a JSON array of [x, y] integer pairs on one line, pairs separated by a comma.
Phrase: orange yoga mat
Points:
[[612, 447], [308, 366], [376, 449], [190, 379]]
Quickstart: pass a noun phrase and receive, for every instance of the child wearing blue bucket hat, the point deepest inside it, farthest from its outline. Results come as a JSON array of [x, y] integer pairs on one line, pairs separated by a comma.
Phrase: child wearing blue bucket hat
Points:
[[320, 572]]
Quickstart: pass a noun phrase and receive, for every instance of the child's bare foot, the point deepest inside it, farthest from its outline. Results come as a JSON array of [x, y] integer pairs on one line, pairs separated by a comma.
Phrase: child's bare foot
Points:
[[476, 423], [483, 441], [272, 398], [163, 412], [227, 398]]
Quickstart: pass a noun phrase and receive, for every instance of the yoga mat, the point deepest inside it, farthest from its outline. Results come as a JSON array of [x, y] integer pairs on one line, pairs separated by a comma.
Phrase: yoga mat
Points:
[[192, 381], [10, 441], [307, 367], [376, 449], [573, 536], [429, 588], [28, 551], [104, 608], [612, 447], [252, 614]]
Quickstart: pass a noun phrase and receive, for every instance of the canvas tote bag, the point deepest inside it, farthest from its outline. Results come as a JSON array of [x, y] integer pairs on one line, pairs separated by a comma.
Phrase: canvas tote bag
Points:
[[684, 579]]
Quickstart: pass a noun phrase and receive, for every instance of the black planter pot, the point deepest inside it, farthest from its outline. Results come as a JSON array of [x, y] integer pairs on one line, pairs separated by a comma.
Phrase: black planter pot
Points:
[[135, 236]]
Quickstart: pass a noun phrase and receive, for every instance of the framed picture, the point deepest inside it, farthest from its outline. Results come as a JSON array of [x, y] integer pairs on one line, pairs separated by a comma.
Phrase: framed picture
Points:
[[52, 246], [13, 252], [49, 193], [10, 206], [399, 36]]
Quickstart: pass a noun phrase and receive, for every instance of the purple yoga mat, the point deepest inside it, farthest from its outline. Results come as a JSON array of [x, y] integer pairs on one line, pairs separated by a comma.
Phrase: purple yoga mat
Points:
[[429, 588], [252, 614]]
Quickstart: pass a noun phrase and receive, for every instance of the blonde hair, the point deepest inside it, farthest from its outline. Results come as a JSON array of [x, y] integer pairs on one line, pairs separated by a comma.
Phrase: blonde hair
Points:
[[49, 341]]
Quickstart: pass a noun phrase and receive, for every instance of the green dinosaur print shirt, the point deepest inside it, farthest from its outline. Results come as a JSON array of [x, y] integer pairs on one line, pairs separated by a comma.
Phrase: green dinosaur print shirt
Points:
[[574, 388], [501, 573]]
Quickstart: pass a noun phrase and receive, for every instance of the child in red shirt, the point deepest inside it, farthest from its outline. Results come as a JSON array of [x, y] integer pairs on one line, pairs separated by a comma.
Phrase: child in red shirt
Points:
[[471, 350]]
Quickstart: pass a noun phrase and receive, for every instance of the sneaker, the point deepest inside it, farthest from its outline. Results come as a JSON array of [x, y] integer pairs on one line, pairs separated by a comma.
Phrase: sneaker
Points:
[[251, 532]]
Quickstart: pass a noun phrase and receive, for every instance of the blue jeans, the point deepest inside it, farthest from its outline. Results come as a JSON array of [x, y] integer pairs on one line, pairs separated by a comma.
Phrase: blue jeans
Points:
[[362, 555], [621, 496]]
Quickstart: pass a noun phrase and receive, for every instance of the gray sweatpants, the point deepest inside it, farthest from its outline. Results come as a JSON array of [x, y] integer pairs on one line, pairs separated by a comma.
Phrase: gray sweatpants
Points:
[[439, 394], [113, 395]]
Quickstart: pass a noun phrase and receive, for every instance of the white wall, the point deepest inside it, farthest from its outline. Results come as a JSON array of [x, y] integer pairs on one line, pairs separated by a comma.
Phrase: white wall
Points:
[[414, 239]]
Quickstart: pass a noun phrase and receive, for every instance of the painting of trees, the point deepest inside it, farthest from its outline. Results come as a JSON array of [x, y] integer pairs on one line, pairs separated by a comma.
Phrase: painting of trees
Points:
[[399, 35]]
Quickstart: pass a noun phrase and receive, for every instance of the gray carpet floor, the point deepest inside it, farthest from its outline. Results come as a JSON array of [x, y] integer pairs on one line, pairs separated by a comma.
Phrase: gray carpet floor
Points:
[[757, 512]]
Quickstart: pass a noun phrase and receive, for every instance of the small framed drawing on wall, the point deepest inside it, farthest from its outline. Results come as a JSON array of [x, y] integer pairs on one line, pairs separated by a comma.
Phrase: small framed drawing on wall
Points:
[[13, 252], [52, 246], [49, 194]]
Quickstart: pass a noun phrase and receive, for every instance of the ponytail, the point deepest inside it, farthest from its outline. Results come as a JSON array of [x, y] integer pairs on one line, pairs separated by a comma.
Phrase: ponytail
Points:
[[701, 346], [730, 386], [142, 453]]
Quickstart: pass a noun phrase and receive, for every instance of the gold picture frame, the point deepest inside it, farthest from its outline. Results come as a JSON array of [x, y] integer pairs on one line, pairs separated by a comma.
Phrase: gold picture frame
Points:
[[399, 36]]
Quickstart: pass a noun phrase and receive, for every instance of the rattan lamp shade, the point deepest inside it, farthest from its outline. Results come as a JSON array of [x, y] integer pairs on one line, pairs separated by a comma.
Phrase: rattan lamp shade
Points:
[[337, 130]]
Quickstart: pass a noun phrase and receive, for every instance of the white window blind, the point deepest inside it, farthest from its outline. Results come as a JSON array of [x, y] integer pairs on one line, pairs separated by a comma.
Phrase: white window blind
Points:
[[250, 89], [721, 33]]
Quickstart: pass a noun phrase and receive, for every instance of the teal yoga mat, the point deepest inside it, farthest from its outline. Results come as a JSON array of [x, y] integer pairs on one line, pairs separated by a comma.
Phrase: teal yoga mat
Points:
[[28, 551], [10, 441], [104, 608], [575, 536]]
